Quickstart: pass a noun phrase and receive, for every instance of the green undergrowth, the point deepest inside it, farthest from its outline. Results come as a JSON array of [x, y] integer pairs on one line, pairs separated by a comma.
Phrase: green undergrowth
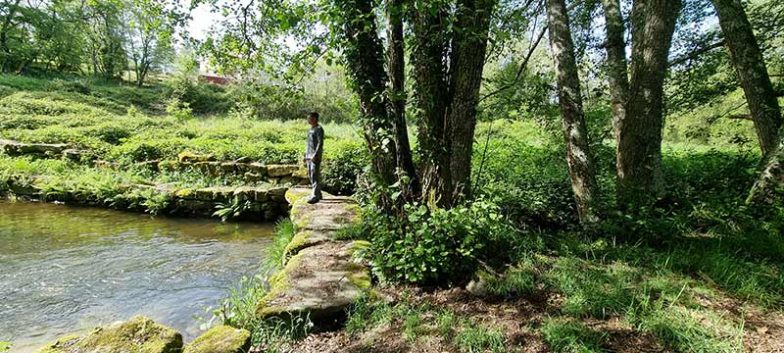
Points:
[[417, 323], [126, 125], [570, 336], [276, 253], [672, 293]]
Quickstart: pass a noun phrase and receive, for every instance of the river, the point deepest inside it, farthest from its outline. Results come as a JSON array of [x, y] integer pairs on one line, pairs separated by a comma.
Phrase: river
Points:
[[64, 269]]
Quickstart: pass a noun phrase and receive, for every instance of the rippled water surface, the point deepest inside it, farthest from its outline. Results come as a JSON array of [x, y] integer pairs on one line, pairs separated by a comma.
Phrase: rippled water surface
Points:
[[64, 268]]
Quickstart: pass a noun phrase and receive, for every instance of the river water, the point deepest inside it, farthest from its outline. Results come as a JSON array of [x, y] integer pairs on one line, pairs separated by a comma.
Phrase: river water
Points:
[[64, 269]]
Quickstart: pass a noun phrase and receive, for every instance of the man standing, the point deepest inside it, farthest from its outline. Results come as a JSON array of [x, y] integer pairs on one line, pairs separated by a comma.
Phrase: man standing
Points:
[[313, 153]]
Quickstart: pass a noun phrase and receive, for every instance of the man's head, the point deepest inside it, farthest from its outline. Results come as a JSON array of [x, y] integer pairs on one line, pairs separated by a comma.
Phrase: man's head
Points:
[[313, 118]]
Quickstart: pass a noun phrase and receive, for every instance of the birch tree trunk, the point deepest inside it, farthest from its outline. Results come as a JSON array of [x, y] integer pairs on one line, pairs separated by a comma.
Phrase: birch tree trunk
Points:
[[570, 99]]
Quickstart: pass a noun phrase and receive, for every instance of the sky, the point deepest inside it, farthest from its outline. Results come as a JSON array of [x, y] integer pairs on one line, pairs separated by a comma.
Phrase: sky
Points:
[[202, 20]]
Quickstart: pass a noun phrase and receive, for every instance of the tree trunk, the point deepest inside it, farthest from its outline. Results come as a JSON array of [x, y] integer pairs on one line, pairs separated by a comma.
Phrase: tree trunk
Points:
[[470, 46], [616, 62], [639, 139], [364, 55], [430, 47], [750, 65], [575, 131], [769, 187], [397, 95], [448, 58], [4, 50]]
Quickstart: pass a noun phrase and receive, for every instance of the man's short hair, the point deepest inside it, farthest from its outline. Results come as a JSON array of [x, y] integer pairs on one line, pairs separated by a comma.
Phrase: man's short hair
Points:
[[313, 115]]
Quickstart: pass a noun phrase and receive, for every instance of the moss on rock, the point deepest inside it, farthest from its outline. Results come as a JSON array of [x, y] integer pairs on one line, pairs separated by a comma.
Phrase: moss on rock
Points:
[[137, 335], [221, 339]]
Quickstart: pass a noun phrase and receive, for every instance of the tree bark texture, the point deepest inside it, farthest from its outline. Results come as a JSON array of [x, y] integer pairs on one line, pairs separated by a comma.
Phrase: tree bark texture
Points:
[[617, 70], [473, 24], [575, 131], [750, 66], [430, 47], [769, 187], [364, 55], [397, 94], [640, 136], [448, 60]]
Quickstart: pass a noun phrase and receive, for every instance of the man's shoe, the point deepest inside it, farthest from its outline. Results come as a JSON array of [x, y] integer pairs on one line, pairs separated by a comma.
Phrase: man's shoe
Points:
[[313, 200]]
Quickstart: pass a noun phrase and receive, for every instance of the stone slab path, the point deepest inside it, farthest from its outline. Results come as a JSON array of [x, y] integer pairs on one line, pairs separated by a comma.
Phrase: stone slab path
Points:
[[321, 277]]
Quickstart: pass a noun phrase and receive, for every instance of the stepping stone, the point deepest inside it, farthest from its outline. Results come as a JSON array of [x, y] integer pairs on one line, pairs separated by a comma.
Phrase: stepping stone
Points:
[[320, 282], [139, 334], [221, 339]]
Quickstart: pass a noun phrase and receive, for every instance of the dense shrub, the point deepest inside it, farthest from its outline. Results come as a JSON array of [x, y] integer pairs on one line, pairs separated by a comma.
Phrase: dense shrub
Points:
[[201, 98], [431, 245], [342, 165], [60, 85]]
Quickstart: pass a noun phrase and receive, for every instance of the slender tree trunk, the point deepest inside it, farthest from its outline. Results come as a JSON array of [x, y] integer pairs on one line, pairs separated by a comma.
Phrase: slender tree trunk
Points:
[[364, 57], [617, 71], [578, 156], [470, 47], [639, 140], [750, 65], [397, 94]]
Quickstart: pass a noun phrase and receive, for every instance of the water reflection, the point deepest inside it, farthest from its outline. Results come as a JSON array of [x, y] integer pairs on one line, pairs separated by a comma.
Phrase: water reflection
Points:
[[63, 268]]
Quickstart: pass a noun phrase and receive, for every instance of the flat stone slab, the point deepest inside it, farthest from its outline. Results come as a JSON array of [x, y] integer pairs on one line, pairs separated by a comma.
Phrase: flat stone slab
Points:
[[320, 281], [328, 215], [137, 335]]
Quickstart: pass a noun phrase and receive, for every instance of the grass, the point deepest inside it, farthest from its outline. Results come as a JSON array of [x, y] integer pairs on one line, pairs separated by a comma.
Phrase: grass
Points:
[[476, 338], [276, 253], [126, 125], [657, 291], [418, 323], [569, 336]]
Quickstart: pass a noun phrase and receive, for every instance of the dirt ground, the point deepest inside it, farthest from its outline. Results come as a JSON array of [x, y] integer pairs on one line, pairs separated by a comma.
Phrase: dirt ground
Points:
[[520, 319]]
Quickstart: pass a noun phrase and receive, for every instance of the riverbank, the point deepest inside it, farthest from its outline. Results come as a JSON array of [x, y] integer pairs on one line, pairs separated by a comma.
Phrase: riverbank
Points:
[[70, 268], [183, 187]]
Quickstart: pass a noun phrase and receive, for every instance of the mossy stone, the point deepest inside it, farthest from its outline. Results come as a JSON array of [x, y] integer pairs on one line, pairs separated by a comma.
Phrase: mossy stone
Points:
[[221, 339], [137, 335]]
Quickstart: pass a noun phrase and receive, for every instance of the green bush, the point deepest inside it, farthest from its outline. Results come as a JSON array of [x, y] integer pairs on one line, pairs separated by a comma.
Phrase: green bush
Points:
[[201, 98], [343, 163], [431, 245], [59, 85]]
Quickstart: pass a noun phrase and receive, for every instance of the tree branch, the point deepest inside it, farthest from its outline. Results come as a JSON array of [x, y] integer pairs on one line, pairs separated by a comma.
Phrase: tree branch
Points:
[[695, 54], [522, 67]]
